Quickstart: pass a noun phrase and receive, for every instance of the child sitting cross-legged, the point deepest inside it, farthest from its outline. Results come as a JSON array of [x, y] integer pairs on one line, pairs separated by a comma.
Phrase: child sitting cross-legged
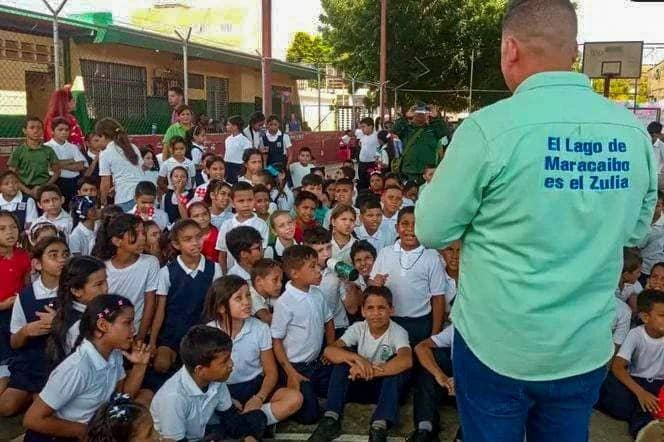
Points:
[[375, 372]]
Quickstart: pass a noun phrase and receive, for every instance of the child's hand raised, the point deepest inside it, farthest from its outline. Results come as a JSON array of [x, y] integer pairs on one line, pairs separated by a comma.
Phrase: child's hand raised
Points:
[[140, 354], [378, 280]]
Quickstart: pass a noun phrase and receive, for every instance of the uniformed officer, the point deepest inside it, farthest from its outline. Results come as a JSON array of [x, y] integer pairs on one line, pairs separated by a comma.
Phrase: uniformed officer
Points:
[[544, 189]]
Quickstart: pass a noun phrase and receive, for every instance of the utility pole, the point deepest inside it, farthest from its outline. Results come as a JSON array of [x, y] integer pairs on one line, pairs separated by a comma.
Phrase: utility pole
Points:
[[266, 59], [56, 40], [383, 58], [185, 61], [472, 74], [319, 117]]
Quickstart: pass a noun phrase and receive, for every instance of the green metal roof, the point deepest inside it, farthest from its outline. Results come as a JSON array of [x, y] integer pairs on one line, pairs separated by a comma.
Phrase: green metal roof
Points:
[[99, 33]]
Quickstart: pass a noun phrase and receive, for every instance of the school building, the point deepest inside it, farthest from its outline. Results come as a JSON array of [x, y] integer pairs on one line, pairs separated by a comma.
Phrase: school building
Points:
[[125, 73]]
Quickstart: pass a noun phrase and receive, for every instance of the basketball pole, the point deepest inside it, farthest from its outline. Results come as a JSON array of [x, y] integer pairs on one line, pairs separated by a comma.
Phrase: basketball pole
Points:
[[607, 86]]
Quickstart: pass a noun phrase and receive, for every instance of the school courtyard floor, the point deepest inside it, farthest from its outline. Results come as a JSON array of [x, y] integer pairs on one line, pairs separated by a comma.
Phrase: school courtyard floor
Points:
[[356, 425]]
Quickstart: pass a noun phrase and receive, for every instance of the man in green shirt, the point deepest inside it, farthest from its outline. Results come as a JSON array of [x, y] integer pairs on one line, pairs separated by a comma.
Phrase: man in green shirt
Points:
[[544, 189], [32, 160], [420, 137]]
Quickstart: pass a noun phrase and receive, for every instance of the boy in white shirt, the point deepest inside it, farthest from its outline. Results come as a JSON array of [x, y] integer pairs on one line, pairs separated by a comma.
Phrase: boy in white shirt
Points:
[[637, 372], [629, 286], [301, 168], [84, 208], [300, 322], [363, 255], [50, 201], [245, 245], [416, 278], [145, 197], [242, 196], [266, 286], [195, 404], [391, 202], [375, 373], [72, 161], [13, 200], [371, 226], [652, 246]]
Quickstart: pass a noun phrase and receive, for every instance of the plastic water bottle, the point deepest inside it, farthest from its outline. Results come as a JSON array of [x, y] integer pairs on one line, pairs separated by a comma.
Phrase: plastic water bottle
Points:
[[153, 130], [344, 271]]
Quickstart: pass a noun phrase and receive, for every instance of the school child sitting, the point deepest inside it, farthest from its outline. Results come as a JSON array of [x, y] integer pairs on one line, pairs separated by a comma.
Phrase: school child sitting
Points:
[[282, 227], [200, 213], [305, 207], [656, 278], [302, 167], [245, 245], [85, 215], [178, 159], [410, 193], [450, 256], [391, 202], [363, 255], [195, 404], [175, 200], [415, 276], [15, 270], [15, 201], [652, 247], [254, 376], [343, 221], [122, 419], [314, 183], [637, 372], [629, 286], [301, 322], [371, 226], [433, 378], [83, 278], [242, 196], [71, 160], [266, 286], [145, 197], [91, 374], [218, 199], [621, 323], [32, 160], [88, 186], [375, 373], [31, 319], [50, 201], [120, 243], [215, 169], [183, 283]]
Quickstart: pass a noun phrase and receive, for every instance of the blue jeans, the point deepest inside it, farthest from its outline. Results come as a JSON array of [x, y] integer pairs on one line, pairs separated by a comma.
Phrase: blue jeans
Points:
[[495, 408]]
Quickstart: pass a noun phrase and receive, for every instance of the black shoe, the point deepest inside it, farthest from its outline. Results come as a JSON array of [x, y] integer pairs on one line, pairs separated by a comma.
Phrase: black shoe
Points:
[[327, 430], [377, 434], [422, 436]]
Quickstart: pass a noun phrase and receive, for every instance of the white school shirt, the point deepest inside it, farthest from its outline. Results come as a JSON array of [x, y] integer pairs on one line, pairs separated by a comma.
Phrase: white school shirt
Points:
[[181, 410], [369, 145], [652, 248], [621, 322], [390, 224], [67, 151], [628, 290], [376, 350], [73, 332], [382, 237], [333, 291], [258, 301], [658, 150], [414, 277], [113, 163], [343, 253], [382, 156], [279, 248], [80, 239], [284, 201], [444, 339], [151, 176], [19, 320], [450, 291], [299, 319], [16, 203], [81, 382], [132, 282], [160, 217], [298, 171], [253, 338], [62, 222], [171, 163], [197, 154], [164, 284], [254, 137], [235, 147], [237, 270], [219, 220], [644, 354], [232, 223]]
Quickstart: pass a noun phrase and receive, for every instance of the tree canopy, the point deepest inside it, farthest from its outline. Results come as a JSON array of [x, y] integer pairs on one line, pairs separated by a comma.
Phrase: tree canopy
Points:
[[309, 49], [440, 33]]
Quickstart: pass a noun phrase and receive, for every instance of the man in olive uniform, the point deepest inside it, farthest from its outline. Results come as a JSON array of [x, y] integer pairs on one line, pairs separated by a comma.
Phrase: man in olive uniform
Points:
[[421, 139]]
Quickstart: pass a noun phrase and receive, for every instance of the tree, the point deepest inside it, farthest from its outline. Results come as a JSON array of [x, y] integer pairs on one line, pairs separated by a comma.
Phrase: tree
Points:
[[309, 49], [441, 33], [623, 90]]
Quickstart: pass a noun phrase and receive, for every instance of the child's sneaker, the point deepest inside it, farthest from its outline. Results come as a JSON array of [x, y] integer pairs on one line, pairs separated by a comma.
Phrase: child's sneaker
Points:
[[653, 432], [327, 430]]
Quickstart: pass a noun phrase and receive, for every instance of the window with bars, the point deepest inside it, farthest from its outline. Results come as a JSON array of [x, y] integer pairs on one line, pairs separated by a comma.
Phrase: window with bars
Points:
[[114, 90], [217, 97]]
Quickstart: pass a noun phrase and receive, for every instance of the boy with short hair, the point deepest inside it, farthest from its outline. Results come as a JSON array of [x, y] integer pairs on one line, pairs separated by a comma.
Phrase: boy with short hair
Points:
[[266, 286], [630, 393], [71, 160], [363, 255], [242, 196], [88, 186], [391, 202], [305, 209], [50, 201], [629, 286], [302, 167], [245, 244], [145, 196], [32, 159], [415, 276], [15, 201], [652, 246], [314, 183], [375, 373], [371, 226], [195, 402], [301, 321], [343, 194]]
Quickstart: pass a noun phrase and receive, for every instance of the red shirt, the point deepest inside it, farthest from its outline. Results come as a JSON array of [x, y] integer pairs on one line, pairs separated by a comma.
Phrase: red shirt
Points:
[[300, 228], [209, 243], [13, 273]]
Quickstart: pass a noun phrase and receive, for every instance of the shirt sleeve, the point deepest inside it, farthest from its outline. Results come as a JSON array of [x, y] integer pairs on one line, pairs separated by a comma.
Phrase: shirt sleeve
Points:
[[170, 417], [629, 346], [622, 323], [221, 239], [104, 164], [15, 158], [30, 212], [224, 398], [78, 156], [75, 243], [444, 338], [265, 339], [163, 282], [351, 336], [64, 384], [18, 320], [449, 203], [644, 221], [258, 303], [53, 158], [287, 143], [280, 320], [218, 273], [437, 281], [153, 275], [400, 339], [163, 169]]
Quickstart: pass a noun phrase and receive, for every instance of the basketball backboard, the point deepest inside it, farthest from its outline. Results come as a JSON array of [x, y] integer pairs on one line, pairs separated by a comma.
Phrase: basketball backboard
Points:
[[619, 59]]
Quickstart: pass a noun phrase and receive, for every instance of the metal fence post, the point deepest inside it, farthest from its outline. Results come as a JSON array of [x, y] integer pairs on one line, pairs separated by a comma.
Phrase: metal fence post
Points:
[[56, 40], [185, 61]]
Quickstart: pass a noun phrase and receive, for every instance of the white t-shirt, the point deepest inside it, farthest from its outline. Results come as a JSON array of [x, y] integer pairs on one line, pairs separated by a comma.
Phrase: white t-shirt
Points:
[[444, 339], [383, 237], [652, 248], [628, 290], [197, 153], [232, 223], [62, 222], [16, 203], [113, 163], [284, 200], [67, 151], [334, 294], [298, 171], [134, 281], [644, 354], [171, 163], [376, 350], [622, 322], [80, 239], [254, 137], [369, 147], [235, 147]]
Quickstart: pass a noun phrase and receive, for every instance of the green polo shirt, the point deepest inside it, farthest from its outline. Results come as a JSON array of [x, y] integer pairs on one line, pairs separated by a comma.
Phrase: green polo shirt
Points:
[[544, 189], [425, 147], [33, 164], [174, 130]]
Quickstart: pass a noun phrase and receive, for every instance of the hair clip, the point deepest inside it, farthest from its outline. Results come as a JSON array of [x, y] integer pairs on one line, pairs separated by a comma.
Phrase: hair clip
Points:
[[120, 302], [100, 315], [116, 412], [107, 311]]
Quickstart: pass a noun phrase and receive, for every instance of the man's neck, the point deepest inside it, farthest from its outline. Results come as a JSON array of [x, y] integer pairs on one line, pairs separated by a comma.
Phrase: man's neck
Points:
[[371, 232], [51, 216], [303, 164], [60, 142], [8, 197], [50, 281], [409, 248], [244, 265]]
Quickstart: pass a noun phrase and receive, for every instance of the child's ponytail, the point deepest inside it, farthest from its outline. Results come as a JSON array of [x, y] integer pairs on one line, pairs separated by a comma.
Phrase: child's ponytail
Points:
[[112, 130], [114, 227]]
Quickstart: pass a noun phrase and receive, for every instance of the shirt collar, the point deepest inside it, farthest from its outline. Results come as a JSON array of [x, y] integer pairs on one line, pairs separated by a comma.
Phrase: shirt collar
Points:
[[549, 79], [98, 361], [277, 135], [191, 388], [41, 291], [397, 248], [77, 306], [279, 247], [187, 270], [295, 291], [239, 271], [16, 199]]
